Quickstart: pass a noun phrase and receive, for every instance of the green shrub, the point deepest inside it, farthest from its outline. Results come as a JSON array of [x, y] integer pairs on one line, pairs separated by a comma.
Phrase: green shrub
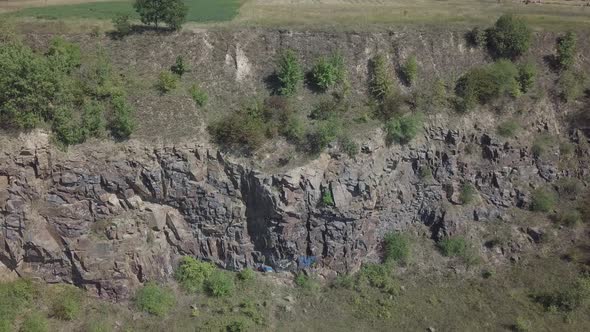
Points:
[[199, 95], [324, 110], [293, 129], [122, 25], [570, 217], [219, 283], [468, 193], [439, 94], [65, 128], [510, 37], [403, 129], [541, 144], [327, 198], [154, 299], [391, 105], [289, 73], [34, 322], [508, 128], [15, 297], [409, 70], [477, 37], [566, 50], [180, 67], [93, 123], [306, 282], [568, 299], [569, 188], [166, 82], [324, 133], [121, 123], [64, 56], [192, 273], [247, 274], [485, 84], [526, 76], [237, 326], [453, 246], [244, 128], [378, 276], [327, 72], [67, 303], [425, 172], [382, 83], [397, 247], [522, 325], [348, 146], [543, 200], [571, 85]]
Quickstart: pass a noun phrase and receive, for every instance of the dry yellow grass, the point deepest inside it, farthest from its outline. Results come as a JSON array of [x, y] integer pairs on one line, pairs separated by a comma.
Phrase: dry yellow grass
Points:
[[383, 12]]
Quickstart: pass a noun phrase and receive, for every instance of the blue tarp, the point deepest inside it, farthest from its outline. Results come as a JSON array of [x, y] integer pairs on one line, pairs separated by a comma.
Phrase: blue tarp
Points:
[[306, 261]]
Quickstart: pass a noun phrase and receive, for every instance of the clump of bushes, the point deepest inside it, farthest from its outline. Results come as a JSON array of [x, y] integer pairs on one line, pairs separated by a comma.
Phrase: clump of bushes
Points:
[[122, 25], [378, 276], [570, 217], [192, 273], [402, 129], [247, 274], [526, 76], [154, 299], [327, 72], [453, 246], [507, 128], [509, 38], [568, 299], [485, 84], [199, 95], [67, 303], [219, 283], [249, 127], [571, 85], [409, 70], [323, 134], [76, 99], [391, 105], [382, 83], [543, 200], [396, 247], [566, 50], [167, 82], [348, 146], [289, 73], [477, 37]]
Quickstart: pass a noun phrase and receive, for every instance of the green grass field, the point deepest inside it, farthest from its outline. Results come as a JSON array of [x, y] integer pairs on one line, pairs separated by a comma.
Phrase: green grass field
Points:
[[199, 10]]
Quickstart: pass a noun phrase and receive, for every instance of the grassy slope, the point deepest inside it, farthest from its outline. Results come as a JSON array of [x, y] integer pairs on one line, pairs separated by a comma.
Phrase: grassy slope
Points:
[[342, 13], [441, 299], [199, 10]]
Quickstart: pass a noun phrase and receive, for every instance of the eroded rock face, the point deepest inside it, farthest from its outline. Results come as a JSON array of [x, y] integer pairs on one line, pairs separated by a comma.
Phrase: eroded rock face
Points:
[[110, 218]]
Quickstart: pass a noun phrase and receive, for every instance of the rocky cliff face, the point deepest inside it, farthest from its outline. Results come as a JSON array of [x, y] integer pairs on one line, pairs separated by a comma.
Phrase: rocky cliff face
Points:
[[108, 218]]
